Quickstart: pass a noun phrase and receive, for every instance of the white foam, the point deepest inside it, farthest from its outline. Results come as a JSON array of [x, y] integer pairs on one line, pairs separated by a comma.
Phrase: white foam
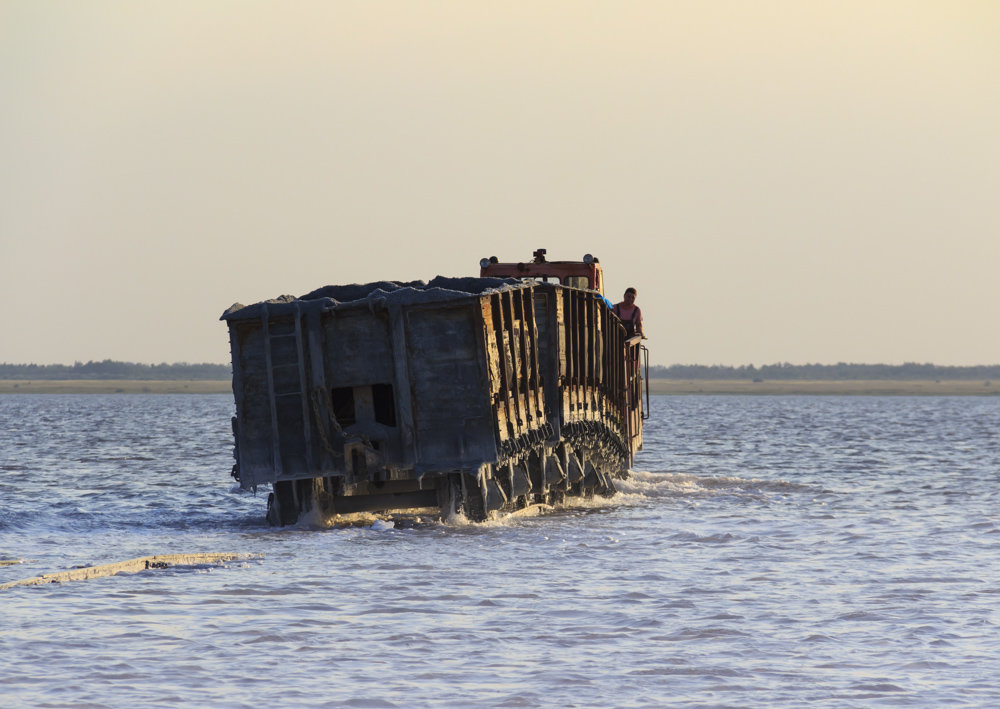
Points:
[[639, 488], [315, 518]]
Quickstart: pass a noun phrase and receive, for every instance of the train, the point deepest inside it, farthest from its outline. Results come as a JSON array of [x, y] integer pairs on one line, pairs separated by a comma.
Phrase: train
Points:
[[469, 396]]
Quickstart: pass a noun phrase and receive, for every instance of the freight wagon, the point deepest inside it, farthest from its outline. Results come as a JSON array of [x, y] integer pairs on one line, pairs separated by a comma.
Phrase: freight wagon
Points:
[[473, 396]]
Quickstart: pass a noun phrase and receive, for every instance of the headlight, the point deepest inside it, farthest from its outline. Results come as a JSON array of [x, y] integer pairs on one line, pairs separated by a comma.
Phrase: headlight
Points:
[[588, 259], [484, 262]]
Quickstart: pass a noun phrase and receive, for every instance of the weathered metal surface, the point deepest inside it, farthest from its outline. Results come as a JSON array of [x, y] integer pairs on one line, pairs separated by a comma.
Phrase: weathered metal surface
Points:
[[471, 395]]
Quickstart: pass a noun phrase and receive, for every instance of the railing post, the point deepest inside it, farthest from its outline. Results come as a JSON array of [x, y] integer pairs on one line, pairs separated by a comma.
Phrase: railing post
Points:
[[645, 366]]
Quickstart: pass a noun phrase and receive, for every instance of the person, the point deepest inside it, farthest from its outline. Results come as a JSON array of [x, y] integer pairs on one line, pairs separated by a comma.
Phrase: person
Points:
[[630, 314]]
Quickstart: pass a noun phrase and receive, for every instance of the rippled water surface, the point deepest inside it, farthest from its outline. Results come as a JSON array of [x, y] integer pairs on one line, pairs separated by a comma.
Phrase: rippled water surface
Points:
[[768, 551]]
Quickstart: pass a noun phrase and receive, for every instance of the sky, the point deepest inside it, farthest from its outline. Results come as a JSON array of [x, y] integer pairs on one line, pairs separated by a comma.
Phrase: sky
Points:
[[781, 181]]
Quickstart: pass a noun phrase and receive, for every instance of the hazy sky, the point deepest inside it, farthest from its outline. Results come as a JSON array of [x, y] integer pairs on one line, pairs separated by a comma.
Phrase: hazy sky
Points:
[[781, 181]]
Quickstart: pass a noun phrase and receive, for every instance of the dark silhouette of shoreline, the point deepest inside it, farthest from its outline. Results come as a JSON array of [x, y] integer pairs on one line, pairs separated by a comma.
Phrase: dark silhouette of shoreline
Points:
[[110, 369], [910, 371]]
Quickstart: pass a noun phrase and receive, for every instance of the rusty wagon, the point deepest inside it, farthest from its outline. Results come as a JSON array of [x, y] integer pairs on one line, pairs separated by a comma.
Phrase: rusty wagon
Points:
[[476, 396]]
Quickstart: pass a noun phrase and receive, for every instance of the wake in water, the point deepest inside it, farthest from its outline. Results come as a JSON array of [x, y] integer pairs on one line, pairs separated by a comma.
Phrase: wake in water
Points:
[[641, 488], [316, 519]]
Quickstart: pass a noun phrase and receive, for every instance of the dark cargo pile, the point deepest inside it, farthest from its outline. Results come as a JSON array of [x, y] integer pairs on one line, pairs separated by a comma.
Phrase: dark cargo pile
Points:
[[439, 289]]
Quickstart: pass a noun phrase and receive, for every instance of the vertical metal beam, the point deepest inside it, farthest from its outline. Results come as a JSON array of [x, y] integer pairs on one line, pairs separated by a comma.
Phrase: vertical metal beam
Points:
[[580, 323], [535, 375], [558, 339], [314, 338], [573, 335], [494, 367], [303, 390], [589, 301], [510, 350], [265, 318], [523, 335], [404, 390]]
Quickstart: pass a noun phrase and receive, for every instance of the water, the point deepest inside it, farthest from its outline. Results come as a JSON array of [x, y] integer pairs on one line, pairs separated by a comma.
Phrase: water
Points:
[[770, 552]]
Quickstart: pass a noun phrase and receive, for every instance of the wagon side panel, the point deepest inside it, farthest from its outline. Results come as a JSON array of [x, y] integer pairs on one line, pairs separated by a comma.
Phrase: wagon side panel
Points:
[[449, 385]]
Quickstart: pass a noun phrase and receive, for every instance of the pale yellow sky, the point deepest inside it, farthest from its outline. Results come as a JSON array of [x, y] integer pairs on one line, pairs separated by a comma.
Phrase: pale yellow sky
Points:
[[782, 181]]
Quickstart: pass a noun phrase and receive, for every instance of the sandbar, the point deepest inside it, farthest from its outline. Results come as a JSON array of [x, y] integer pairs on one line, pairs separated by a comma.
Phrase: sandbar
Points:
[[115, 386]]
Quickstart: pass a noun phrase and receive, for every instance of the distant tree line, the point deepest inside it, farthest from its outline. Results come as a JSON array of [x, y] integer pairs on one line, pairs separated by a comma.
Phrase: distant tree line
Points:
[[109, 369], [842, 370]]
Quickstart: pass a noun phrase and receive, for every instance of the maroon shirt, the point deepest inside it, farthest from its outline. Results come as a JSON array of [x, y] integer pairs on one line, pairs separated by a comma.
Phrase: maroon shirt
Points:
[[630, 317]]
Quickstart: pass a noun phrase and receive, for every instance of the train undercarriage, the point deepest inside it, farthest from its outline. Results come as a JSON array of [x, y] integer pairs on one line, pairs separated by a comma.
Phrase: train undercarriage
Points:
[[547, 475]]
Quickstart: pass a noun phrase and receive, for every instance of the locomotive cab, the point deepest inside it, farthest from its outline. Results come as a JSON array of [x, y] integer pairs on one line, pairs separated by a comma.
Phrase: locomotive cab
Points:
[[586, 273]]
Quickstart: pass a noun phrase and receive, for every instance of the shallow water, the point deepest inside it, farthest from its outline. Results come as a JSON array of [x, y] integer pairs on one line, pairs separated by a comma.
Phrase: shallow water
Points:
[[767, 551]]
